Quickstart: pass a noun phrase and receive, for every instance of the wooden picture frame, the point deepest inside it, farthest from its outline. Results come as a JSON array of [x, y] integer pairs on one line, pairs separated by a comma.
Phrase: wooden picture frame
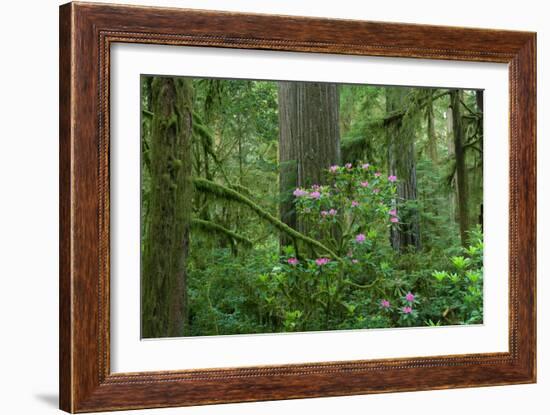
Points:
[[86, 33]]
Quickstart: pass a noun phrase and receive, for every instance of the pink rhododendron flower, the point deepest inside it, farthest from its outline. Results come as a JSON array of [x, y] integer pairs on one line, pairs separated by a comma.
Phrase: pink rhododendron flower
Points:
[[360, 238], [385, 304], [322, 261], [409, 297], [407, 310], [324, 213], [316, 187], [375, 191], [354, 203], [354, 261], [348, 166], [333, 169], [332, 212], [292, 261], [392, 178], [365, 166], [364, 184], [394, 220], [377, 174], [393, 212], [315, 195], [299, 192]]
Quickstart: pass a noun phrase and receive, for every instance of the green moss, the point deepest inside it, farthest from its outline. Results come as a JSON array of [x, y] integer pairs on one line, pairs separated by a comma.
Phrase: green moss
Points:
[[226, 193], [166, 233], [209, 226]]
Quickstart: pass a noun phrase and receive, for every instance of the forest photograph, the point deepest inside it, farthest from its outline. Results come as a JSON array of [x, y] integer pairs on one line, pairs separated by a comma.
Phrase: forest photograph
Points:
[[296, 206]]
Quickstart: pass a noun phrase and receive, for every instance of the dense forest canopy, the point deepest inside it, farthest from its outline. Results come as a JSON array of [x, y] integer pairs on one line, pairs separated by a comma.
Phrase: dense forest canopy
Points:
[[276, 206]]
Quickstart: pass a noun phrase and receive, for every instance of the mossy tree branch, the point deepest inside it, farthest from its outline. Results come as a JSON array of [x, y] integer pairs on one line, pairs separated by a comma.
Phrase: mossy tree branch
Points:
[[420, 103], [209, 226], [218, 190]]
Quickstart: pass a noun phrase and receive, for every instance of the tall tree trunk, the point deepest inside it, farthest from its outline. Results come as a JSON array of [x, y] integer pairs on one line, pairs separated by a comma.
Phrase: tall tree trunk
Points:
[[432, 137], [479, 100], [451, 152], [309, 140], [145, 141], [166, 242], [460, 160], [479, 103], [400, 132]]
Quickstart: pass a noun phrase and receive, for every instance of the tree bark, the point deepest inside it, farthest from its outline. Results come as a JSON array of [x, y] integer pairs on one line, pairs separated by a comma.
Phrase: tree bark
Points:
[[309, 140], [432, 137], [451, 154], [400, 133], [166, 241], [479, 103], [479, 100], [460, 160]]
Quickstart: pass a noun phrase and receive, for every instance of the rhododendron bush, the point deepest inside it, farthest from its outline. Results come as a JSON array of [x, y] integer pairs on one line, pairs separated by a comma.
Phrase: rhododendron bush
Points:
[[352, 211], [361, 284], [358, 288]]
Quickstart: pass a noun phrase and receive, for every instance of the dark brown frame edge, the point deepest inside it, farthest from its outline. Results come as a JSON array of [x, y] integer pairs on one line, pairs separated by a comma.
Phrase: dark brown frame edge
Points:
[[86, 32]]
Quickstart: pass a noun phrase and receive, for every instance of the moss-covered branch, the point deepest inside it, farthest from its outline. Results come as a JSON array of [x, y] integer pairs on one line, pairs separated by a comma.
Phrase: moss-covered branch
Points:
[[214, 227], [419, 103], [245, 191], [206, 137], [204, 133], [218, 190]]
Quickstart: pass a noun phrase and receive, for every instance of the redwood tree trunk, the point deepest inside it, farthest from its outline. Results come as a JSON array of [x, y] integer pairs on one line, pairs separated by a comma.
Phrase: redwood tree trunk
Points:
[[401, 163], [166, 240], [309, 139], [479, 103], [460, 160], [432, 137]]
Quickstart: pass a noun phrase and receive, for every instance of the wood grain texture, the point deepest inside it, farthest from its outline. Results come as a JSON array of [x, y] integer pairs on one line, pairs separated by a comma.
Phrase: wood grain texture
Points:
[[86, 33], [65, 247]]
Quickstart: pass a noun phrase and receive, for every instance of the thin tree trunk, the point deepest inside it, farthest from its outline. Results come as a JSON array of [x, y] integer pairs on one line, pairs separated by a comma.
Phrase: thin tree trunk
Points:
[[401, 163], [166, 244], [145, 142], [432, 137], [309, 140], [460, 160], [479, 102], [451, 151]]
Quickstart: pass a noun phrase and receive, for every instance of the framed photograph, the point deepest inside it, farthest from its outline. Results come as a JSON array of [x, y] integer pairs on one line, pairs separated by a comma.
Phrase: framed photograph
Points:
[[260, 207]]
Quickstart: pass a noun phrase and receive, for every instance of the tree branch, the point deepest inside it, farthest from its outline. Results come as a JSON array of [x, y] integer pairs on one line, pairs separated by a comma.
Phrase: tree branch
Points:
[[420, 104], [474, 114], [224, 192], [214, 227]]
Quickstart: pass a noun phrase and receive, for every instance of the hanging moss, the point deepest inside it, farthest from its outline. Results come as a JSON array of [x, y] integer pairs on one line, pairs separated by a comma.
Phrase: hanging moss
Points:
[[226, 193], [206, 136]]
